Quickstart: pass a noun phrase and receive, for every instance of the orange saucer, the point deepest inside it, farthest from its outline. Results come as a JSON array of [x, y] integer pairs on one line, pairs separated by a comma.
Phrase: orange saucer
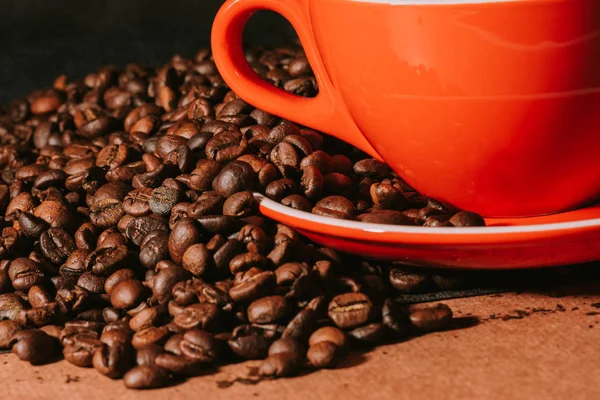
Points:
[[553, 240]]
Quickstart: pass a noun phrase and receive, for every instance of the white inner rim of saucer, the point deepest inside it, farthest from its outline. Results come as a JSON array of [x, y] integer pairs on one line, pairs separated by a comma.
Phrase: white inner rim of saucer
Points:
[[383, 228]]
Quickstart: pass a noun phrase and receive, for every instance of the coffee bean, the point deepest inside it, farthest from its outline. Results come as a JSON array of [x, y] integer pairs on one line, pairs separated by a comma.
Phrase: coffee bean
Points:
[[372, 168], [281, 365], [245, 261], [147, 355], [268, 310], [165, 280], [127, 294], [389, 217], [163, 199], [323, 354], [146, 377], [147, 318], [335, 207], [33, 345], [151, 335], [368, 334], [179, 364], [464, 219], [328, 334], [203, 316], [199, 345], [25, 273], [240, 204], [236, 176], [57, 244], [197, 259], [350, 310], [431, 318], [286, 345], [91, 282], [184, 234], [395, 317], [140, 227], [81, 352], [281, 188], [248, 342], [253, 288], [409, 282], [172, 344], [137, 202]]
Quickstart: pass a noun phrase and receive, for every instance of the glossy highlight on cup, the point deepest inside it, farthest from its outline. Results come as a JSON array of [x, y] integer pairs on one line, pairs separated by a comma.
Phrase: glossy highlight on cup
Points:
[[489, 106]]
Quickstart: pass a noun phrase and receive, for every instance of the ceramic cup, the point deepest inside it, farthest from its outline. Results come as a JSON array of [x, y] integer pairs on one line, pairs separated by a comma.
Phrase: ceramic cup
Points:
[[489, 106]]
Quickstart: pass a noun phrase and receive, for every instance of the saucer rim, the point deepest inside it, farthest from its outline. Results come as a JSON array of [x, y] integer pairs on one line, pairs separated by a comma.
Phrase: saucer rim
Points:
[[432, 231]]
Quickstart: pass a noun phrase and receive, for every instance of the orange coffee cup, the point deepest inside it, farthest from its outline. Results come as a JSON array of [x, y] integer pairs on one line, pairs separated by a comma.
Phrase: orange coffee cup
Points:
[[489, 106]]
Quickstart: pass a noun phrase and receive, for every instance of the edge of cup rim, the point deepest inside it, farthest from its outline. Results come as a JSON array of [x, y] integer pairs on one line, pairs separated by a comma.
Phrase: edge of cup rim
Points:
[[385, 228]]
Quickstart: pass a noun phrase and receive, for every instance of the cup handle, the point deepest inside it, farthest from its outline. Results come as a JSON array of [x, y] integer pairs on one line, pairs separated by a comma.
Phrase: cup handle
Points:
[[326, 112]]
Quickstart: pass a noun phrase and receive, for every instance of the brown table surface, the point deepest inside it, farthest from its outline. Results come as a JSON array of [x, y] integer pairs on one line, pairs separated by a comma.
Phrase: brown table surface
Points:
[[526, 346]]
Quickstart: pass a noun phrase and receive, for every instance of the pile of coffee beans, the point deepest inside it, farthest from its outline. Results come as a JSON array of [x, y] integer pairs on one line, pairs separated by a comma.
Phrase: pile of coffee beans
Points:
[[131, 242]]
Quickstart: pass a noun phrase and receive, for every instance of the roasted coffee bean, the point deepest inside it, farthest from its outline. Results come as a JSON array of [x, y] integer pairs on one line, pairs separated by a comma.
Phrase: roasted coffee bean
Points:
[[395, 317], [268, 310], [25, 273], [409, 281], [349, 310], [163, 199], [368, 334], [248, 342], [31, 225], [112, 360], [105, 261], [154, 250], [245, 261], [390, 217], [335, 207], [464, 219], [106, 213], [240, 204], [197, 259], [92, 283], [200, 345], [151, 335], [172, 344], [372, 168], [81, 352], [280, 189], [179, 364], [431, 318], [203, 316], [137, 202], [236, 176], [254, 287], [281, 365], [127, 294], [146, 377], [147, 318], [165, 280], [184, 234], [297, 202], [138, 229], [33, 345], [56, 244], [147, 354], [286, 345], [323, 354], [38, 296], [328, 334]]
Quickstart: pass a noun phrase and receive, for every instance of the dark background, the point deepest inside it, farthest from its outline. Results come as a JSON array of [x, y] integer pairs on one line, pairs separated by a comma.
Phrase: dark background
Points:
[[42, 39]]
